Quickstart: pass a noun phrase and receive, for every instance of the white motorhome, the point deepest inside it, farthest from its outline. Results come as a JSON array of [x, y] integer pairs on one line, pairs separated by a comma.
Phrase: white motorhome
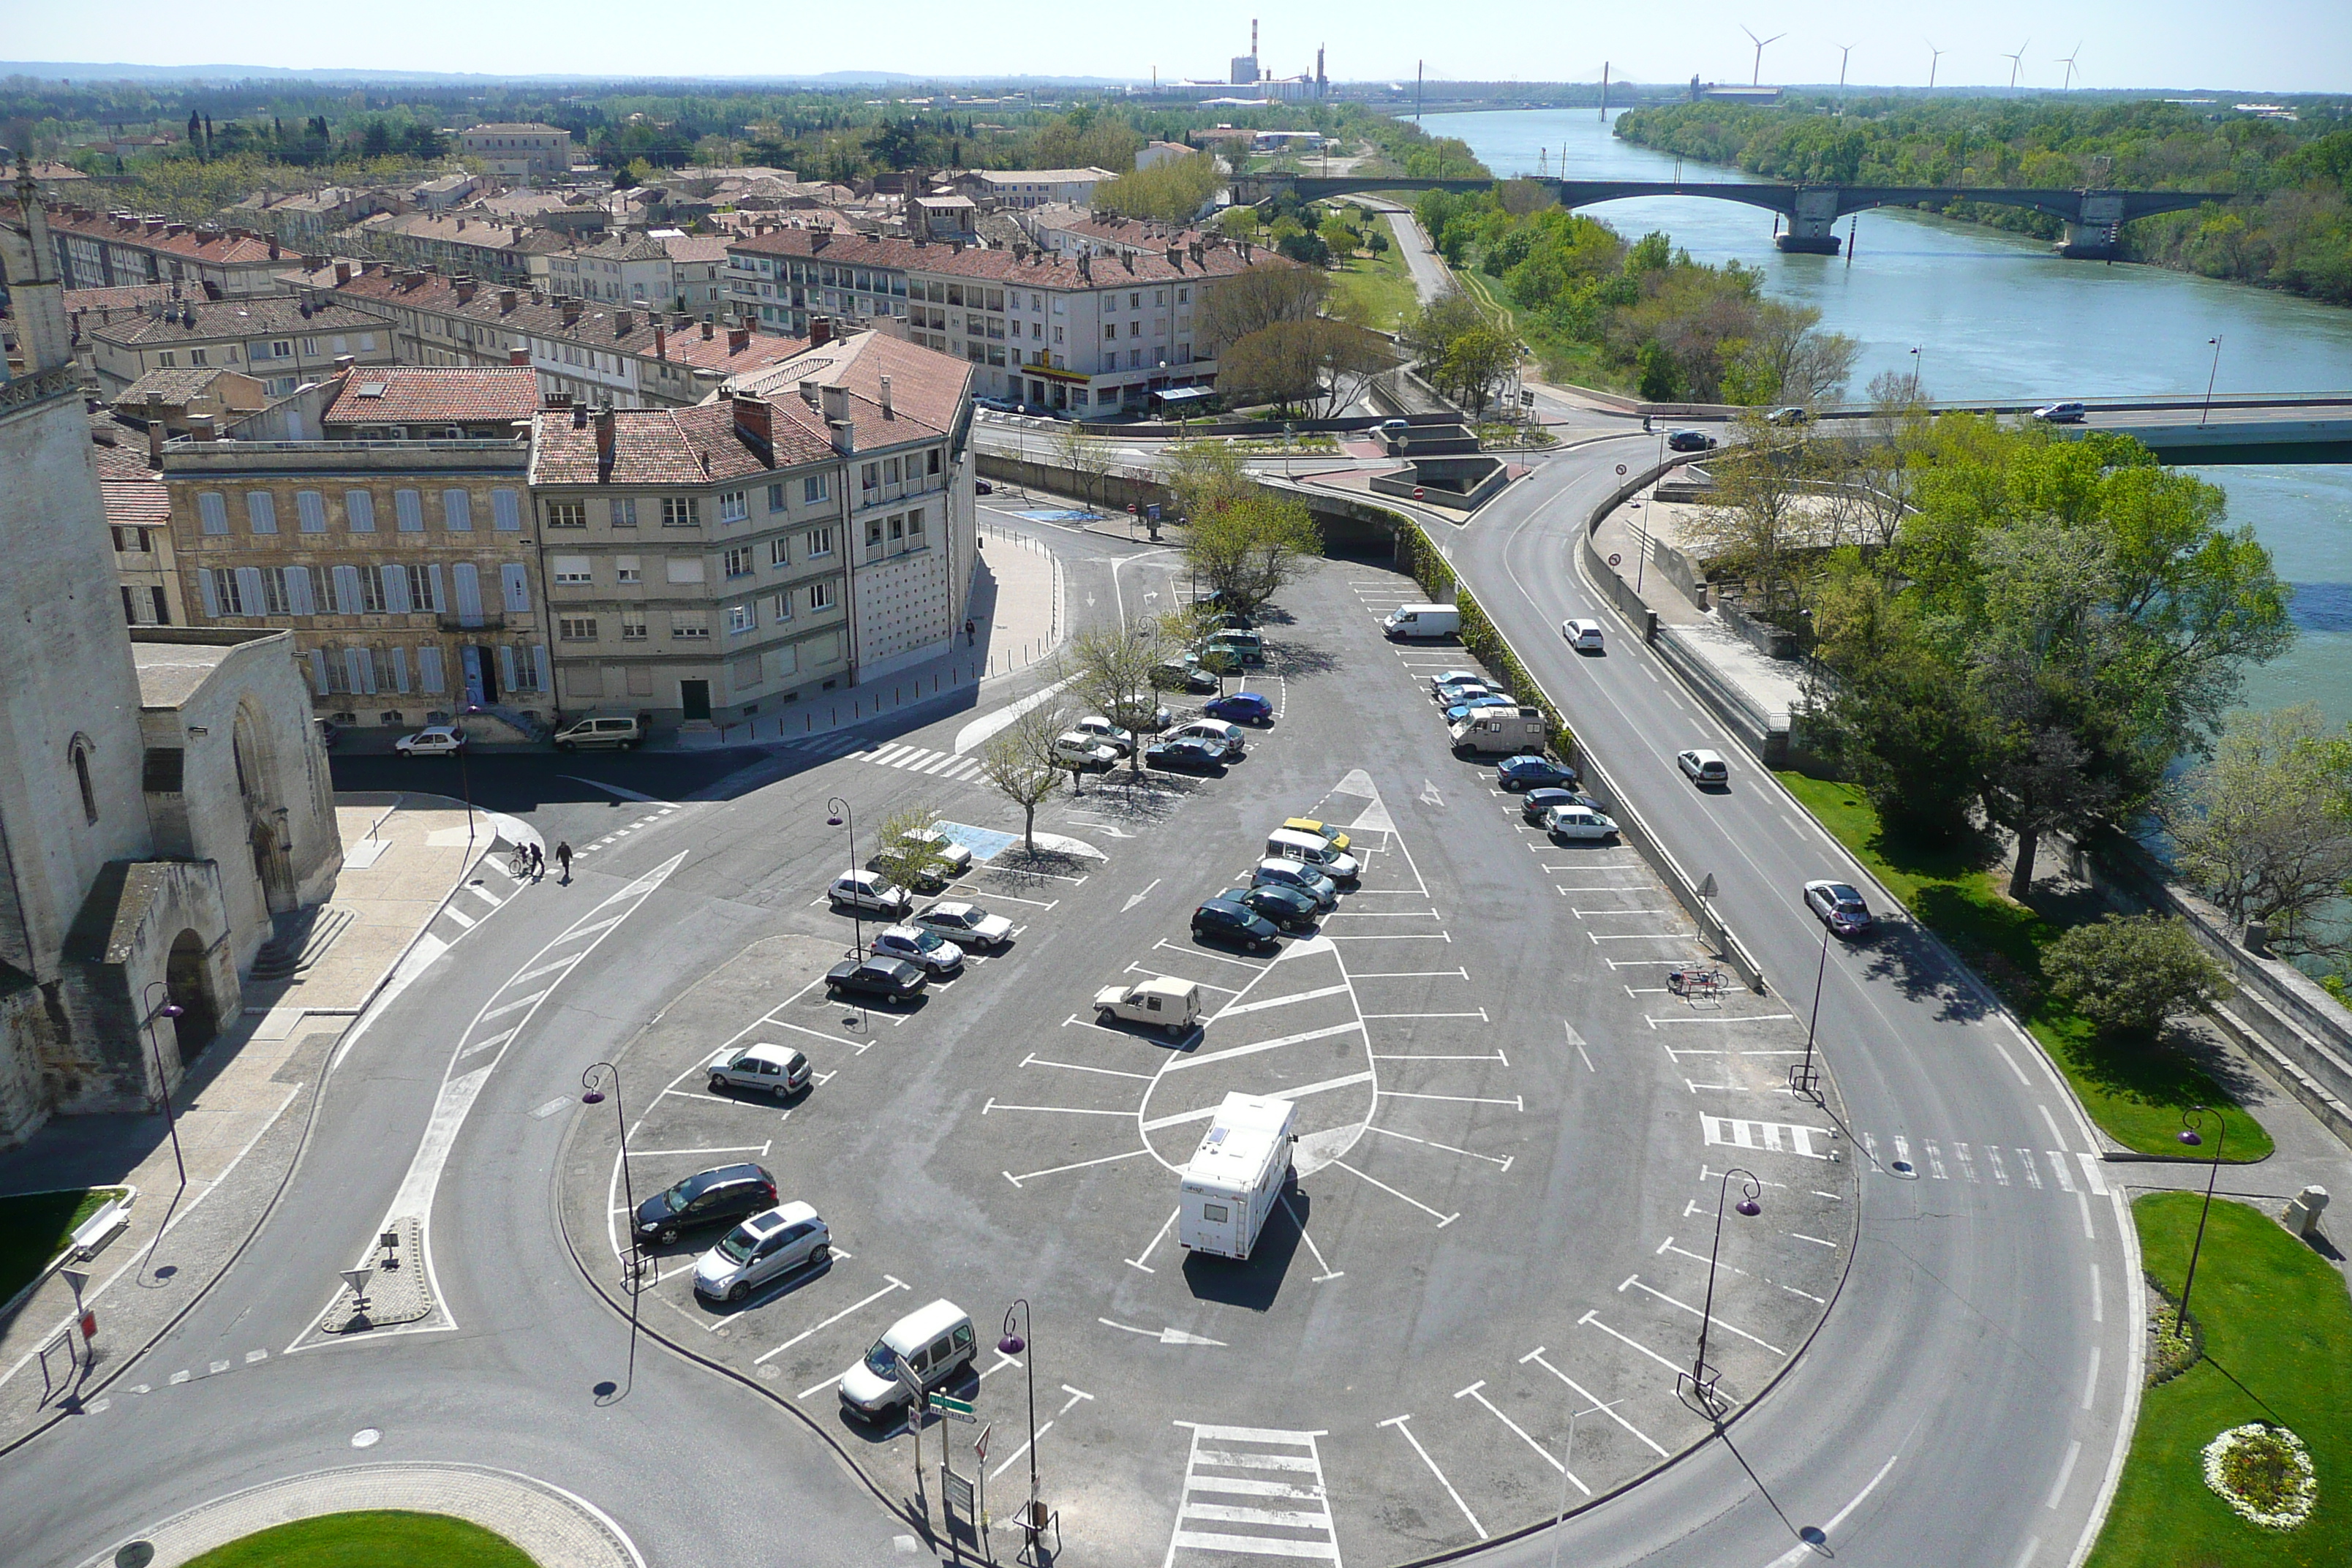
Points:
[[1229, 1187], [1492, 732], [1408, 622]]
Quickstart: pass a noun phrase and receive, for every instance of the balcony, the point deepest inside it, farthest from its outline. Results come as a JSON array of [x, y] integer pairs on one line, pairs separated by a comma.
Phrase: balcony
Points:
[[486, 621]]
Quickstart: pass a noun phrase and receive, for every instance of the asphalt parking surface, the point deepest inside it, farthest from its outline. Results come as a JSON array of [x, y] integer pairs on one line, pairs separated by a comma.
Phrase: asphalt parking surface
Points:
[[1513, 1143]]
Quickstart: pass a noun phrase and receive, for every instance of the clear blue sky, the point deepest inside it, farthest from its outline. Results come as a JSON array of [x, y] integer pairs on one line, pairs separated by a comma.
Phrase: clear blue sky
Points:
[[2280, 46]]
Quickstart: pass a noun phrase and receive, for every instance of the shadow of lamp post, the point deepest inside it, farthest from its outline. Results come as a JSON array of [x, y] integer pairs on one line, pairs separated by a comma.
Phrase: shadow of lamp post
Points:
[[632, 1264]]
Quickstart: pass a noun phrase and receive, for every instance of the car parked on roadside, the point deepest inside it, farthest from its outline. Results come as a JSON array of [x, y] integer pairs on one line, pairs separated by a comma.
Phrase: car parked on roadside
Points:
[[619, 731], [1840, 906], [1578, 821], [1584, 636], [934, 1344], [2061, 412], [885, 979], [1705, 768], [965, 924], [1222, 919], [1447, 692], [1285, 906], [1185, 675], [763, 1248], [706, 1197], [1439, 682], [1296, 874], [926, 950], [1690, 441], [957, 857], [433, 740], [1241, 707], [1535, 801], [762, 1068], [1182, 757], [869, 892], [1229, 736], [1533, 772]]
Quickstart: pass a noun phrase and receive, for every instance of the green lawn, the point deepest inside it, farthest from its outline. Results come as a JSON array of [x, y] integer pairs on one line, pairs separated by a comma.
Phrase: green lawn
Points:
[[379, 1539], [1379, 284], [2278, 1347], [2136, 1094], [34, 1229]]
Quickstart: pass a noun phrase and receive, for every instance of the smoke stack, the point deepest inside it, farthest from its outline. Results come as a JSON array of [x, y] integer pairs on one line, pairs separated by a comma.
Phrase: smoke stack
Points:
[[155, 433], [738, 339], [506, 300], [464, 289], [753, 419], [661, 343], [342, 273], [344, 363]]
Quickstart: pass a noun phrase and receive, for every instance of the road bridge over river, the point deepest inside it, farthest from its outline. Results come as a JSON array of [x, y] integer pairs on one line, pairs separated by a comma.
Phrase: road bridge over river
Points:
[[2094, 218]]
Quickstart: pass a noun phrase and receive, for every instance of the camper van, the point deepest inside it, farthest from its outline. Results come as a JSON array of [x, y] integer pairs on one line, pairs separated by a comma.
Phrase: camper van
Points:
[[1490, 732], [1422, 622], [1229, 1187]]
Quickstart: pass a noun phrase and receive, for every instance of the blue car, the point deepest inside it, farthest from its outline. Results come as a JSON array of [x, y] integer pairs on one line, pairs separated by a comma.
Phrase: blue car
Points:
[[1534, 772], [1461, 710], [1240, 708]]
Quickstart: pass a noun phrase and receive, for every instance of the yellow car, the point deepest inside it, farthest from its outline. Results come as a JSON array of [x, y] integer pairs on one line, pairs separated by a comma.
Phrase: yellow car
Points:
[[1323, 830]]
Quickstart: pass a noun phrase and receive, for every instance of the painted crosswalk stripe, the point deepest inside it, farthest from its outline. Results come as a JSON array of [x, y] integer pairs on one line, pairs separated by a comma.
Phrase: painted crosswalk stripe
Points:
[[1777, 1137], [1303, 1518], [461, 917]]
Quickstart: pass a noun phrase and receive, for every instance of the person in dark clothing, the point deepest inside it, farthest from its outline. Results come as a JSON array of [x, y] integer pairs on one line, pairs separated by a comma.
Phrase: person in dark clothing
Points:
[[538, 862], [564, 858], [967, 630]]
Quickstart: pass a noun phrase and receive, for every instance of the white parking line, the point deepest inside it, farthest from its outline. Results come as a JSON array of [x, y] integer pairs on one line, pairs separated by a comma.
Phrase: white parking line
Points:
[[1473, 1392], [1592, 1320], [1082, 1164], [1635, 1282], [1399, 1423], [1237, 1009], [895, 1284], [1033, 1060], [1443, 1219], [1274, 1043], [1610, 1410], [1062, 1110], [1137, 1261], [1298, 1092], [1502, 1162]]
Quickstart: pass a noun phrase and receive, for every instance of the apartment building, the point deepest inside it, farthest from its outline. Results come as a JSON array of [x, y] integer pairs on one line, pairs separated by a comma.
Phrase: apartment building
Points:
[[1077, 332], [619, 355], [138, 521], [307, 218], [278, 339], [111, 250], [810, 529], [1019, 188], [527, 151], [456, 242], [403, 564], [1073, 231]]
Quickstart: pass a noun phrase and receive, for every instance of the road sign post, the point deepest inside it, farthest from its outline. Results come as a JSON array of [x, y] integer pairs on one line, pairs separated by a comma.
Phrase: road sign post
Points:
[[914, 1387]]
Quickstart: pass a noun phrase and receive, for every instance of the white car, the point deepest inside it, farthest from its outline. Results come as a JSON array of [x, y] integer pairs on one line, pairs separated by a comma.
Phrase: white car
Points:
[[1438, 683], [764, 1247], [871, 893], [1103, 733], [958, 857], [1453, 691], [1578, 821], [433, 740], [926, 950], [1225, 739], [1704, 767], [1582, 636], [966, 925], [2059, 414], [1073, 748], [765, 1068]]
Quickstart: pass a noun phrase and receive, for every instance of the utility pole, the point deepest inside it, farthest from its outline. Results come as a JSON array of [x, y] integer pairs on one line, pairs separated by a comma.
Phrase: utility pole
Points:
[[1417, 67]]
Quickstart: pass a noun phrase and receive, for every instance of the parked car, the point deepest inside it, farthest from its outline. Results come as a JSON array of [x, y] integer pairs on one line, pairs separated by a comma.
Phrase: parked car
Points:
[[1248, 648], [1285, 906], [1538, 801], [926, 950], [1163, 1002], [1229, 736], [957, 857], [934, 1343], [982, 487], [1241, 707], [1840, 906], [433, 740], [1295, 874], [1690, 441], [1185, 675], [618, 731], [1578, 821], [1438, 683], [1521, 772], [778, 1070], [1141, 711], [1230, 621], [1073, 748], [889, 979], [1182, 757], [1101, 731], [1323, 830], [965, 924], [706, 1197], [1469, 705], [1704, 768], [1449, 689], [870, 892], [1792, 415], [765, 1247], [1222, 920], [2061, 412], [1584, 636]]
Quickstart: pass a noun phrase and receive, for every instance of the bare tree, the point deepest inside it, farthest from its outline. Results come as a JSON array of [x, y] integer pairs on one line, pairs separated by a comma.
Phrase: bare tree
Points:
[[1089, 458], [1764, 521], [1272, 290], [1881, 464], [905, 857], [1018, 761], [1110, 673], [2264, 829]]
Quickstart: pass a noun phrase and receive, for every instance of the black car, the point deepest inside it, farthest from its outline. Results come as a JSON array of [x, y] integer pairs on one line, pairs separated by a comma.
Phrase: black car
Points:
[[1539, 801], [1534, 772], [708, 1197], [1222, 920], [1285, 906], [888, 978], [1183, 756], [982, 487], [1690, 441]]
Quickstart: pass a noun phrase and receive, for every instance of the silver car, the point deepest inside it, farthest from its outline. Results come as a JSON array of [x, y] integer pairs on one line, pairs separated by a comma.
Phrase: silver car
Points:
[[926, 949], [764, 1069], [965, 924], [763, 1248], [1294, 874], [1228, 736]]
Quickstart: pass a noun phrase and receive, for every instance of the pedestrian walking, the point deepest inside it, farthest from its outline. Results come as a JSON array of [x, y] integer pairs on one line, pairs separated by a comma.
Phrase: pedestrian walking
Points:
[[968, 631], [538, 862], [564, 858]]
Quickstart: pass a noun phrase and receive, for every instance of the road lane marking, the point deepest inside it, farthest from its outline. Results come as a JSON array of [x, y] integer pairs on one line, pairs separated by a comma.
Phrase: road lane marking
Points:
[[895, 1284], [1082, 1164], [1298, 1092], [1474, 1392]]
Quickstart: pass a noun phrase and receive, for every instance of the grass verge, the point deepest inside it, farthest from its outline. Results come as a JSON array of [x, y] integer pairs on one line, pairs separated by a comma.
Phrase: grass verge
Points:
[[382, 1538], [2136, 1093], [35, 1227], [1380, 285], [2277, 1330]]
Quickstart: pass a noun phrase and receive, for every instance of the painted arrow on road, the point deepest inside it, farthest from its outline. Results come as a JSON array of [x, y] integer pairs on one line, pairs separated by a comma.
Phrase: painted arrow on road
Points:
[[1165, 1336], [1429, 795]]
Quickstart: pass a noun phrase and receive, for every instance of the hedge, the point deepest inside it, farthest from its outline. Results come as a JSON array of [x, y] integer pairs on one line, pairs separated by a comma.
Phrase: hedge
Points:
[[1479, 636]]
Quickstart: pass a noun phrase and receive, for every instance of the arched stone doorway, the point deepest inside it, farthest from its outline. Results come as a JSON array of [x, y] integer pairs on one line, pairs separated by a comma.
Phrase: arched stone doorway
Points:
[[186, 984]]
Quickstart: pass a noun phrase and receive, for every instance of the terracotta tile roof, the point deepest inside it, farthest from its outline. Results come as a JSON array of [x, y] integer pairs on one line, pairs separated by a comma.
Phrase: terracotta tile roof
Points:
[[476, 231], [175, 385], [1037, 270], [248, 316], [421, 395], [927, 389], [132, 492], [213, 247], [1066, 217], [697, 247], [130, 296], [650, 446]]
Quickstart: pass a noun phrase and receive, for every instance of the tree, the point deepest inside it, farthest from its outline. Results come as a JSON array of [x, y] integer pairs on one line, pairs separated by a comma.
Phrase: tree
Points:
[[1018, 761], [1431, 332], [1476, 363], [1268, 292], [1305, 247], [905, 859], [1087, 456], [2127, 974], [1765, 519], [1238, 223], [2264, 829], [1205, 476], [1110, 673], [1340, 235], [1250, 549]]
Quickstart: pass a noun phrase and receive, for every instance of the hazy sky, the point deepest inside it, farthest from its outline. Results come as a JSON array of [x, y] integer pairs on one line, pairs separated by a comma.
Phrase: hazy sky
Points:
[[2253, 46]]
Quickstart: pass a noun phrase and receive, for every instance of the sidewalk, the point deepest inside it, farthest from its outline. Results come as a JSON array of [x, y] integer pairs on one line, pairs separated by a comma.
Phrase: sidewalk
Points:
[[242, 1111], [1017, 619]]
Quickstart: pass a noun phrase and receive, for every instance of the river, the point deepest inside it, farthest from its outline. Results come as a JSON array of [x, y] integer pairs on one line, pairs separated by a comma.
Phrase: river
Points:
[[1998, 315]]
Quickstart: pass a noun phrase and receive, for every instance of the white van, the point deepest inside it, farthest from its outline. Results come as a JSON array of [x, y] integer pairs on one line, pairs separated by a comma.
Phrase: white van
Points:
[[1313, 849], [1491, 731], [1164, 1001], [1229, 1187], [609, 731], [935, 1342], [1422, 622]]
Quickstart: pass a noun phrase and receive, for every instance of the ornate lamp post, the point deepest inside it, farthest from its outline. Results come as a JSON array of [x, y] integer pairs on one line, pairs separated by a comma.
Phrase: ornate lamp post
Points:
[[170, 1009], [1804, 1079], [630, 1265], [2211, 375], [1013, 1344], [1702, 1384], [843, 818], [2188, 1135]]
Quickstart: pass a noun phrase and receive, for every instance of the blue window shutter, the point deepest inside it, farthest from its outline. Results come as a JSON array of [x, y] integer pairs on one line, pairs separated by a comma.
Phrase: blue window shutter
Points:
[[539, 664], [299, 599], [358, 505], [312, 506], [347, 590], [395, 590], [456, 511], [211, 594], [516, 580], [506, 667], [428, 668], [433, 581], [399, 657], [248, 590], [318, 672], [261, 510], [469, 593], [505, 511]]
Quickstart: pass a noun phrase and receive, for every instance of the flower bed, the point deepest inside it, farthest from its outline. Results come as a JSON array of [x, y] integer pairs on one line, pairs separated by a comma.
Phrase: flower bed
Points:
[[2264, 1473]]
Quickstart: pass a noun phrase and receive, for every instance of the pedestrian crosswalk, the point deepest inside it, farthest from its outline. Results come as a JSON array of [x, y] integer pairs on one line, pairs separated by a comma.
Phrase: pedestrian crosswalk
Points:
[[907, 759], [1254, 1491], [1988, 1164]]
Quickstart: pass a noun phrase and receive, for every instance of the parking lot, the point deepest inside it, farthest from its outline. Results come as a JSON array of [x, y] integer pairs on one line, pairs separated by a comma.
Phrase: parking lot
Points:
[[1513, 1138]]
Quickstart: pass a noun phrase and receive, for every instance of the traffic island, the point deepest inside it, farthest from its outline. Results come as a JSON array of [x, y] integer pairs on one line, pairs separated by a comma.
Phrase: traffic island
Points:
[[383, 1536]]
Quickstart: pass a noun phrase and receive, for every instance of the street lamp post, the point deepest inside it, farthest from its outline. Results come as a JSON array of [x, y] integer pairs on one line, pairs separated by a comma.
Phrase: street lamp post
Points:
[[170, 1009], [1915, 375], [1804, 1079], [1750, 1188], [466, 780], [2211, 375], [1012, 1344], [632, 1265], [843, 816], [1567, 1457], [2188, 1135]]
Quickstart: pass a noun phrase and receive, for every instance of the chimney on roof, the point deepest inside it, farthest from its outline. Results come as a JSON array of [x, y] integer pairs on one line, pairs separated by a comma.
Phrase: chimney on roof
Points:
[[200, 427], [273, 248], [754, 420], [413, 278], [571, 311], [835, 402], [155, 431], [465, 286], [738, 339], [345, 364], [561, 402], [706, 329], [624, 322], [518, 359], [506, 300], [819, 238], [661, 342], [809, 390], [887, 412], [820, 330], [603, 442]]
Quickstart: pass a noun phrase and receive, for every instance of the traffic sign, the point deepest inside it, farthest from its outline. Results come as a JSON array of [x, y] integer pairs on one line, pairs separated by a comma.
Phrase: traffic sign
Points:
[[980, 1444], [1614, 558], [1620, 471], [953, 1409], [1706, 886]]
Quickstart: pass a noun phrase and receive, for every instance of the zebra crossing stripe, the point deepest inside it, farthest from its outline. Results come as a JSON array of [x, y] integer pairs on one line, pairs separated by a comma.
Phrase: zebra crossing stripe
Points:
[[1776, 1137], [1263, 1449]]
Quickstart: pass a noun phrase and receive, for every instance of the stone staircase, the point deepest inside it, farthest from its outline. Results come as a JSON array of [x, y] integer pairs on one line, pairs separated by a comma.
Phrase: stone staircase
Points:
[[497, 724], [301, 938]]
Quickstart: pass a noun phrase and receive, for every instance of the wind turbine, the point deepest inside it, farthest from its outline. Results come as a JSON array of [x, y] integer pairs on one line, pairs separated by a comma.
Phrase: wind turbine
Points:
[[2016, 62], [1933, 54], [2071, 68], [1757, 79], [1846, 52]]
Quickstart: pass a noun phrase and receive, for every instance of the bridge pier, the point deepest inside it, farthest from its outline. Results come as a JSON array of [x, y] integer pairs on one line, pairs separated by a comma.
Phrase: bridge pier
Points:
[[1813, 222], [2095, 234]]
